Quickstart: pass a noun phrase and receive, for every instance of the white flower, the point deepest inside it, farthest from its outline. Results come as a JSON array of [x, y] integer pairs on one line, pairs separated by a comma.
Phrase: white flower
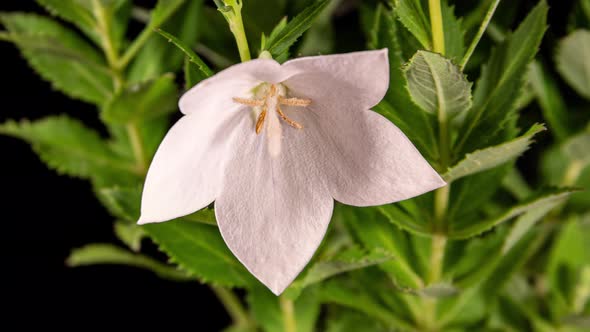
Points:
[[273, 145]]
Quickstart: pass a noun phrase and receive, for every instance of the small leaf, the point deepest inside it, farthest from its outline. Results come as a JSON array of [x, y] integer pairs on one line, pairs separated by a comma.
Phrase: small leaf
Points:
[[60, 57], [471, 228], [190, 54], [454, 33], [142, 101], [500, 84], [67, 146], [284, 39], [100, 253], [349, 260], [130, 234], [411, 14], [72, 11], [437, 85], [491, 157], [573, 61], [200, 250], [552, 104]]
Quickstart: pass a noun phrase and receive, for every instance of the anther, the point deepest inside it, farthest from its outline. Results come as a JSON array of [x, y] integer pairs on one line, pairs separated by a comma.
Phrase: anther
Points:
[[287, 120], [294, 101], [249, 102], [260, 120]]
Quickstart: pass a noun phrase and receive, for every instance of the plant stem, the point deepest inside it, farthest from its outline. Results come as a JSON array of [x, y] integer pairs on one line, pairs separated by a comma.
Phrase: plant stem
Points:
[[104, 28], [233, 306], [438, 245], [572, 173], [436, 21], [236, 25], [288, 310], [137, 147], [479, 34]]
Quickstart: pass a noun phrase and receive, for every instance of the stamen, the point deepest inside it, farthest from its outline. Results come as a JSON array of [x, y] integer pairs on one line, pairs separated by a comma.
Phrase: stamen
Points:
[[287, 120], [249, 102], [294, 101], [260, 120]]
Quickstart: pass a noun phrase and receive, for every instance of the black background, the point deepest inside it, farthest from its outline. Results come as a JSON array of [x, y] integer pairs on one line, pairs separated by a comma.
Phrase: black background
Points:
[[45, 215]]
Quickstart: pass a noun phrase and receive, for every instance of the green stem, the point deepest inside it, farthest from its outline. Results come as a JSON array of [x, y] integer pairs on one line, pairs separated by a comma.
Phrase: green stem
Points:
[[479, 34], [436, 22], [237, 28], [288, 310], [104, 28], [438, 245], [233, 306], [572, 173], [137, 147]]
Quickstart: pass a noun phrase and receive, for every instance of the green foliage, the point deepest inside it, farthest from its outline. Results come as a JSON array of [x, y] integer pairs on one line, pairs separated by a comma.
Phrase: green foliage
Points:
[[278, 44], [60, 56], [494, 250]]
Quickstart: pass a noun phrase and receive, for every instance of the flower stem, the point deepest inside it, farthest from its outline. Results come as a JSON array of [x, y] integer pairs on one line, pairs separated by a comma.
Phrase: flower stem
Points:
[[436, 22], [288, 310], [232, 11], [438, 245], [233, 306], [479, 34], [104, 28], [137, 147]]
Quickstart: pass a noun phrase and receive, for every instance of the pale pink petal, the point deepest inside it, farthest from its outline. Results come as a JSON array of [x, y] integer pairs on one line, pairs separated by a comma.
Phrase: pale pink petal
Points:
[[216, 92], [365, 158], [273, 211], [366, 74], [186, 173]]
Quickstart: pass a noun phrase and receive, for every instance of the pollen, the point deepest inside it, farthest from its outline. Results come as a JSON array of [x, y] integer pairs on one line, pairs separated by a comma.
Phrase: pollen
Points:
[[271, 100]]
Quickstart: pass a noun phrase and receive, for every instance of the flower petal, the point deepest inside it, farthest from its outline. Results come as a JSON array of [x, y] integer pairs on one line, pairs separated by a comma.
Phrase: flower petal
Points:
[[365, 73], [238, 80], [366, 159], [273, 211], [186, 173]]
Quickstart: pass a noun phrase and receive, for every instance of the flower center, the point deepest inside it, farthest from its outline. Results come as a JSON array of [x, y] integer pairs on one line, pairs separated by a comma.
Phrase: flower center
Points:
[[272, 97]]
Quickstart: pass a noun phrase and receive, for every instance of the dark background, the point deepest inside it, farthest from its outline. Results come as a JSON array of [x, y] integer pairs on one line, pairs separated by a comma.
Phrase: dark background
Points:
[[45, 215]]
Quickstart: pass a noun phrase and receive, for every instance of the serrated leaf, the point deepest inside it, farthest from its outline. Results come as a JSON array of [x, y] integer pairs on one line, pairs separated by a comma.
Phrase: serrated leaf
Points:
[[130, 234], [190, 54], [398, 106], [72, 11], [470, 228], [552, 104], [142, 101], [491, 157], [200, 250], [67, 146], [284, 39], [454, 33], [348, 260], [156, 57], [377, 233], [60, 56], [102, 253], [573, 62], [437, 85], [412, 16], [501, 82]]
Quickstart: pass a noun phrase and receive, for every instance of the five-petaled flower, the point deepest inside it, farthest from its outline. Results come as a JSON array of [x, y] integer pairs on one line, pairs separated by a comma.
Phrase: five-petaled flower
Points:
[[274, 145]]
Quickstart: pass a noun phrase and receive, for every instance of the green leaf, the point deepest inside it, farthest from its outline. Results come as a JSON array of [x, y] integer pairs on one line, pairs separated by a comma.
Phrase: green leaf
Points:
[[454, 33], [552, 104], [349, 260], [72, 11], [60, 56], [501, 82], [491, 157], [573, 63], [156, 57], [130, 234], [68, 147], [437, 85], [200, 250], [100, 253], [377, 233], [284, 39], [142, 101], [412, 16], [398, 106], [190, 54], [266, 309], [470, 228]]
